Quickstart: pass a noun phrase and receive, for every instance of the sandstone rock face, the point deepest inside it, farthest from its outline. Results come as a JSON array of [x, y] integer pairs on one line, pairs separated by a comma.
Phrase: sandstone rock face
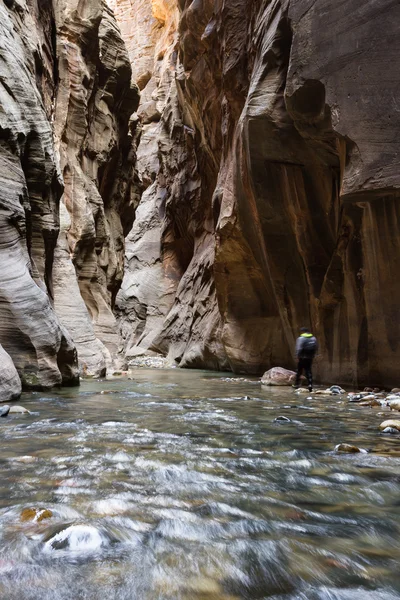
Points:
[[96, 142], [10, 383], [30, 188], [270, 159], [65, 134]]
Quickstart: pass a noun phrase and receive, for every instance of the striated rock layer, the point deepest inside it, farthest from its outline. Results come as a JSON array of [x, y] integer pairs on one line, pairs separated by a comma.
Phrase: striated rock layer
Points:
[[270, 157], [65, 134], [96, 142], [30, 189]]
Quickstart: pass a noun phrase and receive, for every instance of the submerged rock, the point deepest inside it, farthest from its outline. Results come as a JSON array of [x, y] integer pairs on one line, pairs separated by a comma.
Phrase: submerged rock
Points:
[[278, 376], [350, 449], [36, 514], [19, 409]]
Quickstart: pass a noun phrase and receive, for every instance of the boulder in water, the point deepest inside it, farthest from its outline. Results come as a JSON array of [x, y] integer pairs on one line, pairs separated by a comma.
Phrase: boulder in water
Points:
[[80, 539], [395, 391], [394, 404], [281, 419], [278, 376], [395, 424]]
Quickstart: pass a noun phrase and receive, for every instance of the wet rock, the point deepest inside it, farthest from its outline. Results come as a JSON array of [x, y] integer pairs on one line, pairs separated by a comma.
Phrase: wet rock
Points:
[[390, 430], [10, 383], [278, 376], [368, 389], [336, 389], [4, 410], [82, 539], [301, 391], [19, 410], [349, 449], [281, 419], [370, 400], [390, 423], [395, 390], [36, 514], [355, 397], [394, 404]]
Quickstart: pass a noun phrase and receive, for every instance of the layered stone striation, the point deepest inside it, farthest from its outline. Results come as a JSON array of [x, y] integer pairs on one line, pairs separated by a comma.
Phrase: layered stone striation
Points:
[[67, 147], [30, 189], [96, 140], [270, 156]]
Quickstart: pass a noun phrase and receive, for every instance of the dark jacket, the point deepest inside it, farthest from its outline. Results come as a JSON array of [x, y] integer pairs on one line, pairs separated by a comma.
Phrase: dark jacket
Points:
[[302, 342]]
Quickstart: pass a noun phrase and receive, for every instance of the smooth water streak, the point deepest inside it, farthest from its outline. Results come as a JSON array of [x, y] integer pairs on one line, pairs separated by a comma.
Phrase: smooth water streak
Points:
[[180, 485]]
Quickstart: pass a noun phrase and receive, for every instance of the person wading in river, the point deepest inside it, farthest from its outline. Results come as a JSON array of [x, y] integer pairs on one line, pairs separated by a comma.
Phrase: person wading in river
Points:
[[306, 347]]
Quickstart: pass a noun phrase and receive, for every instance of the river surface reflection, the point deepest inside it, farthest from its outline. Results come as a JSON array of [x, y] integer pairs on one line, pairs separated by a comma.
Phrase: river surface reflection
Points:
[[179, 485]]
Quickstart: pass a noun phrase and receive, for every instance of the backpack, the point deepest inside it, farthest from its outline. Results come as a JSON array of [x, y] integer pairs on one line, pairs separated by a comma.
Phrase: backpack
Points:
[[309, 347]]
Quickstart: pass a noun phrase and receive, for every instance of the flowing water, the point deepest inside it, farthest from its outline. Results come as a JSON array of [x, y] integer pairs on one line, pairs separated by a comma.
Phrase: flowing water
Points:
[[179, 485]]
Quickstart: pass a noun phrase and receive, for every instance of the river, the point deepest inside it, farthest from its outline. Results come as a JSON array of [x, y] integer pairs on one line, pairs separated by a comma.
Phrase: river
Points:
[[180, 485]]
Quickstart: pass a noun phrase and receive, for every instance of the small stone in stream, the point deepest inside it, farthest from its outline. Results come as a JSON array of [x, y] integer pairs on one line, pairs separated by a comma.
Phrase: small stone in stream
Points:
[[36, 514], [336, 389], [349, 449], [301, 391], [395, 390], [4, 410], [390, 423], [282, 419], [390, 430], [355, 397], [368, 389], [19, 409], [371, 402]]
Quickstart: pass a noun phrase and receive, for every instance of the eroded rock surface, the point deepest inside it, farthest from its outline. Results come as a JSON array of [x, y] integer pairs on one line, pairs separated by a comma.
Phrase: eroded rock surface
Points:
[[97, 145], [30, 189], [10, 383], [65, 135], [271, 135]]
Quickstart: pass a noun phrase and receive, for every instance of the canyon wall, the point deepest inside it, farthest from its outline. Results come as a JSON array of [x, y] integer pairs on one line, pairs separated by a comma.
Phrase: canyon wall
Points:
[[96, 141], [270, 161], [30, 190], [67, 147]]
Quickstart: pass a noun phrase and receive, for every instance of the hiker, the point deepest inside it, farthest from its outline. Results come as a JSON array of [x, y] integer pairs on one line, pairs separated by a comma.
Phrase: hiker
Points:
[[306, 348]]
